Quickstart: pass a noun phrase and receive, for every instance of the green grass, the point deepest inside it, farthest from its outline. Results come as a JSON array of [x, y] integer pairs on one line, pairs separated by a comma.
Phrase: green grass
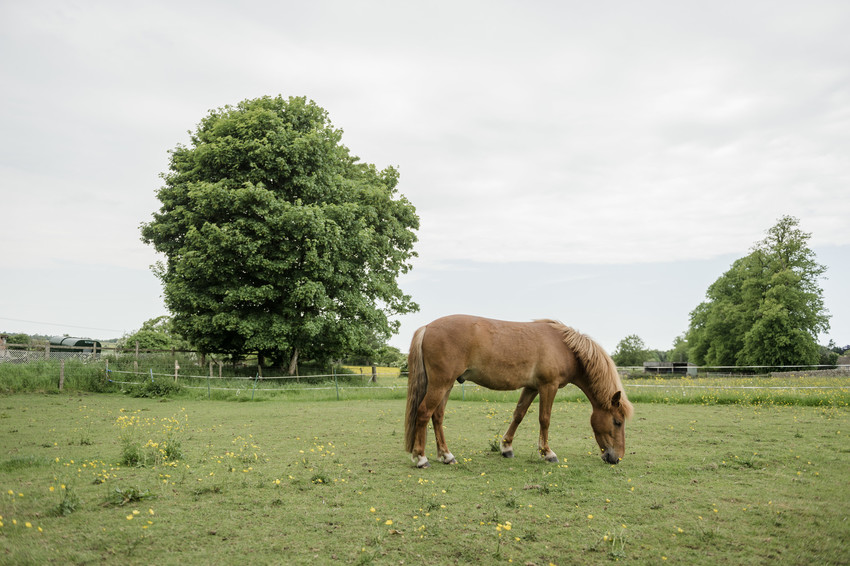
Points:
[[321, 482]]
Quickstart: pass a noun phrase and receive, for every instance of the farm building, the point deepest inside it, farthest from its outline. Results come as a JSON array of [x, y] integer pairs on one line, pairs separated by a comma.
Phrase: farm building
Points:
[[676, 368], [76, 345]]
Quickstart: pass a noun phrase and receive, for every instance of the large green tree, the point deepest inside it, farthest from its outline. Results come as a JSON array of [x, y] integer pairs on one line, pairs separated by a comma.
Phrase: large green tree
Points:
[[767, 309], [277, 240]]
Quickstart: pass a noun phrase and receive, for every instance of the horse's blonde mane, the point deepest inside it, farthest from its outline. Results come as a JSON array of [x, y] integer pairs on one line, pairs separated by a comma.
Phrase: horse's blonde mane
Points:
[[601, 370]]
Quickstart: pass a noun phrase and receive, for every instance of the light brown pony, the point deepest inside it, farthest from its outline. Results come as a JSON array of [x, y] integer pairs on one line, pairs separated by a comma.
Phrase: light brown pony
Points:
[[540, 357]]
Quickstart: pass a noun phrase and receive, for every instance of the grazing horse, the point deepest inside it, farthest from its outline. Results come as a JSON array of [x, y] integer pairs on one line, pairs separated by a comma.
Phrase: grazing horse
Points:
[[540, 357]]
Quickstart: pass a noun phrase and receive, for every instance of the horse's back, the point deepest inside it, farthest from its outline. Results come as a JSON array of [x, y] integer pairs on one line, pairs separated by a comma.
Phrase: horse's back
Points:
[[495, 353]]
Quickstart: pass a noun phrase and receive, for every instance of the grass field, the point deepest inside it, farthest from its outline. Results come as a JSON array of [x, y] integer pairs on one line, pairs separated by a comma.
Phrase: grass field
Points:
[[94, 478]]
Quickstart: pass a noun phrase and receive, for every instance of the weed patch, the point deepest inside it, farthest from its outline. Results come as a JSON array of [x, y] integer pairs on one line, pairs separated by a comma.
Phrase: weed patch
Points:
[[122, 496]]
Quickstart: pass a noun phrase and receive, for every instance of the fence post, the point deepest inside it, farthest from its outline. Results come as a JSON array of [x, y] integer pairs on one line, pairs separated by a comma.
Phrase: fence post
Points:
[[336, 383], [176, 368], [61, 374], [47, 352], [374, 374]]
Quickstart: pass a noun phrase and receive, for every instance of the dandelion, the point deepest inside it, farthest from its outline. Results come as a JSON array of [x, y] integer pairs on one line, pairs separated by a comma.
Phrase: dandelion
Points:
[[388, 522]]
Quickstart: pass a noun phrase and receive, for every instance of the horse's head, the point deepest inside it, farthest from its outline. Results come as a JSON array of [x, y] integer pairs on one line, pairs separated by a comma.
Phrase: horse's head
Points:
[[609, 427]]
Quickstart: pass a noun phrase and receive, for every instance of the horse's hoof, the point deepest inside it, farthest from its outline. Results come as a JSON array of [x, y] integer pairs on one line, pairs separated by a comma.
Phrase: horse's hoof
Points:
[[420, 461], [447, 458], [508, 454], [552, 459]]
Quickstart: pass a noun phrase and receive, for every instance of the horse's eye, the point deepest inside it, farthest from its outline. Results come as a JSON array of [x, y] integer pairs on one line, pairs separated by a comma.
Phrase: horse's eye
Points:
[[617, 423]]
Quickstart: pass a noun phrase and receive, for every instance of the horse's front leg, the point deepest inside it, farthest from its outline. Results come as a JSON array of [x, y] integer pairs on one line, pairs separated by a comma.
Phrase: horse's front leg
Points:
[[525, 400], [443, 454], [547, 397]]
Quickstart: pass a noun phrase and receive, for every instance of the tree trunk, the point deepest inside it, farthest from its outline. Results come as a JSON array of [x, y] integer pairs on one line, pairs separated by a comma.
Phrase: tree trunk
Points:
[[293, 363]]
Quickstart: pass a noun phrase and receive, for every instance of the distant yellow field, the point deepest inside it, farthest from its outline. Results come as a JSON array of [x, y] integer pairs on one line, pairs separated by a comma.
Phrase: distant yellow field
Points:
[[381, 370]]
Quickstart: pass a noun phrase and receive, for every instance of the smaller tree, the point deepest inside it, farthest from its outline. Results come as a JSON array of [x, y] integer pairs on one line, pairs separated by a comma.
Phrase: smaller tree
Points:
[[631, 351], [155, 334], [679, 353], [18, 340], [828, 354], [767, 309]]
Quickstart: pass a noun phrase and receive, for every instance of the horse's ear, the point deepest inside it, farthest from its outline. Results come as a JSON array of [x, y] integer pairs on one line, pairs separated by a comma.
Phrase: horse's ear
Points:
[[615, 400]]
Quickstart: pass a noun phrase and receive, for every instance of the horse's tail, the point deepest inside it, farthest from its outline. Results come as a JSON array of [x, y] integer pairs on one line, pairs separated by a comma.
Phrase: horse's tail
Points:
[[417, 384]]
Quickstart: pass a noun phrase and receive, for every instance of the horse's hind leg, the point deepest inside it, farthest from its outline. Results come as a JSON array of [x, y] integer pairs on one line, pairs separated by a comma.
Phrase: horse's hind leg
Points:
[[443, 453], [525, 400], [434, 401]]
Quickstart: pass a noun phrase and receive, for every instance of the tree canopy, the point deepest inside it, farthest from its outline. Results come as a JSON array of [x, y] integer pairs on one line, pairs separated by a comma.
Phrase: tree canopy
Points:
[[767, 309], [277, 240], [631, 351]]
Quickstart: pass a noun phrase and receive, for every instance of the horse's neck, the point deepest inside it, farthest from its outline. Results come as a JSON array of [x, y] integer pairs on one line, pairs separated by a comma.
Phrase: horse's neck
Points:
[[583, 382]]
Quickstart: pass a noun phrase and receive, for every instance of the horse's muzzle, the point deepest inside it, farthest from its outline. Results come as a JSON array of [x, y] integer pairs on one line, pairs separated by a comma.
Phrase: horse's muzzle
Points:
[[610, 456]]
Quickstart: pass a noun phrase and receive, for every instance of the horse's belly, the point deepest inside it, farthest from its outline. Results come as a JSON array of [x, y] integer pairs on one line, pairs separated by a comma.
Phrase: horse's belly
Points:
[[500, 381]]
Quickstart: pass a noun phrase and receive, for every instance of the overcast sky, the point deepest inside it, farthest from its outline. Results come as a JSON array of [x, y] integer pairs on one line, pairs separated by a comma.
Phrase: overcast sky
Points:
[[599, 163]]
